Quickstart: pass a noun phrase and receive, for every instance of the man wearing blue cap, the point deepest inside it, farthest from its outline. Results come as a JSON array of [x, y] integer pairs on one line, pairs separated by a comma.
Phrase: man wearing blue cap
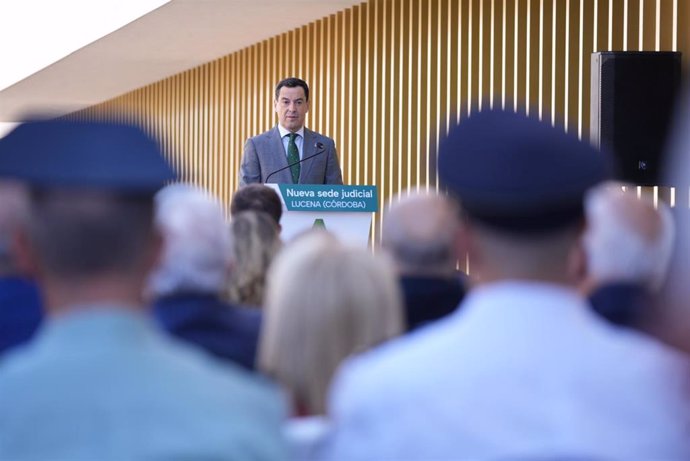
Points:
[[523, 369], [99, 381]]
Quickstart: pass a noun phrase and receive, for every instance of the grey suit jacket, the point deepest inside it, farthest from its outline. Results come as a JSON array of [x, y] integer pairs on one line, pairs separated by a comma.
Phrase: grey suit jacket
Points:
[[265, 154]]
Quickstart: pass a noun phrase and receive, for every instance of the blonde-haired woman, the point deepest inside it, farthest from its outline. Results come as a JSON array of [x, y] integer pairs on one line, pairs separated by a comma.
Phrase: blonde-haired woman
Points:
[[255, 240], [325, 301]]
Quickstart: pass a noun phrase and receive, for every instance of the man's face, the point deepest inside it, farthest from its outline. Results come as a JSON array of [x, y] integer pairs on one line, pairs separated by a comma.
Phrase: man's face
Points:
[[291, 107]]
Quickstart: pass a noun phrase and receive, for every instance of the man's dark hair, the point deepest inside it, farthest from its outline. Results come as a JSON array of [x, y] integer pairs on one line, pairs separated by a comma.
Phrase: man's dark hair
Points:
[[257, 197], [293, 82], [78, 233]]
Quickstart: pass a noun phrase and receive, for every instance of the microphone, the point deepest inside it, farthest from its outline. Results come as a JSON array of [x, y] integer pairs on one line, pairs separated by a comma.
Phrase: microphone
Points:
[[317, 145]]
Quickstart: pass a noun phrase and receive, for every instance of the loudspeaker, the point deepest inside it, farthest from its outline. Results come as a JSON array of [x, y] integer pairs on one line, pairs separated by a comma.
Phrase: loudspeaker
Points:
[[632, 104]]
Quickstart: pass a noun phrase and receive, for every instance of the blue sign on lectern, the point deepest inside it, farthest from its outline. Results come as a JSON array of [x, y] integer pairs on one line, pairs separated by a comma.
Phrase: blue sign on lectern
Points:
[[328, 197]]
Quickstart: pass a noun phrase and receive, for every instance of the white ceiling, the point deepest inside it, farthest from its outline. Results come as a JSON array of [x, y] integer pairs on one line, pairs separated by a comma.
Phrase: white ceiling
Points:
[[178, 36]]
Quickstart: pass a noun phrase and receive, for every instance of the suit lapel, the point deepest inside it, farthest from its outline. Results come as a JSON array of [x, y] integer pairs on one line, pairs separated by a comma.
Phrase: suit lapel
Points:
[[277, 146], [281, 158], [308, 149]]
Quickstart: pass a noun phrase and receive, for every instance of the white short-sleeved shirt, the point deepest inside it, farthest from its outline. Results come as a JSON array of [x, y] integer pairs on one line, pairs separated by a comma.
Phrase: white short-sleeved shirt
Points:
[[521, 370]]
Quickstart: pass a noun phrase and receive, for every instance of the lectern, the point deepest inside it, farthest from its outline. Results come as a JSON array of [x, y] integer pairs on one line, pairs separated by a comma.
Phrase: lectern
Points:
[[346, 211]]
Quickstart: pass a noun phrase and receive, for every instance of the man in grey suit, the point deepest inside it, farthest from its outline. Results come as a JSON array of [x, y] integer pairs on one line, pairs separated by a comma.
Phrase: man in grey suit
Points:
[[290, 153]]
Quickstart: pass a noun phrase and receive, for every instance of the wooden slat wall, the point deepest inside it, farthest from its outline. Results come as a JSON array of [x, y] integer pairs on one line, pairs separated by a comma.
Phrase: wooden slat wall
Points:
[[389, 77]]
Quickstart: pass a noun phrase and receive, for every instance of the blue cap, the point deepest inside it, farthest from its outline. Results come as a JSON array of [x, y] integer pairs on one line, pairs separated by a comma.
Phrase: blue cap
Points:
[[94, 155], [519, 174]]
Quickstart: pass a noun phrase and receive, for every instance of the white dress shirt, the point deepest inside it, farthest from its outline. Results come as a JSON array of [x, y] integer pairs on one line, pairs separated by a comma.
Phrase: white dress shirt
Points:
[[299, 140], [521, 370]]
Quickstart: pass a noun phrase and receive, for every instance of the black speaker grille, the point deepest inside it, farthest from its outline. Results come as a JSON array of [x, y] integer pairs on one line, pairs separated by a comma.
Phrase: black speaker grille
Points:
[[637, 93]]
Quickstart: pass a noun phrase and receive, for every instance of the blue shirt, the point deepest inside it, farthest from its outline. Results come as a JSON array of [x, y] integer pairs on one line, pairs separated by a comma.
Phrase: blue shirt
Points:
[[20, 311], [103, 383]]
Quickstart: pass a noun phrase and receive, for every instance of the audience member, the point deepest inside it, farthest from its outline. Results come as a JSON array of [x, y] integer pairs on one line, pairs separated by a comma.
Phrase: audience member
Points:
[[524, 369], [99, 381], [191, 278], [628, 243], [257, 197], [421, 231], [255, 241], [349, 304], [20, 301], [672, 311]]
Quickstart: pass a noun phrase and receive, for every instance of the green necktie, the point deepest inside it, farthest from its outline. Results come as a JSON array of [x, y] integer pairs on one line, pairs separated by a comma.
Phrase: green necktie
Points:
[[293, 157]]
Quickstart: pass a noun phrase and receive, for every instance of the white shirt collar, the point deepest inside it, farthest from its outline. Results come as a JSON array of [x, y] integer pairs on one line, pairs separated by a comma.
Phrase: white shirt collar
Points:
[[284, 132]]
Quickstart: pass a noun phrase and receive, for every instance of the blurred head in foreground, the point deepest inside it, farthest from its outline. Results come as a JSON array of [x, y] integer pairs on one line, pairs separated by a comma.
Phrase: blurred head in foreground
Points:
[[521, 185], [628, 244], [89, 233], [349, 303], [196, 249], [421, 231], [627, 238], [254, 242], [257, 197], [673, 310]]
